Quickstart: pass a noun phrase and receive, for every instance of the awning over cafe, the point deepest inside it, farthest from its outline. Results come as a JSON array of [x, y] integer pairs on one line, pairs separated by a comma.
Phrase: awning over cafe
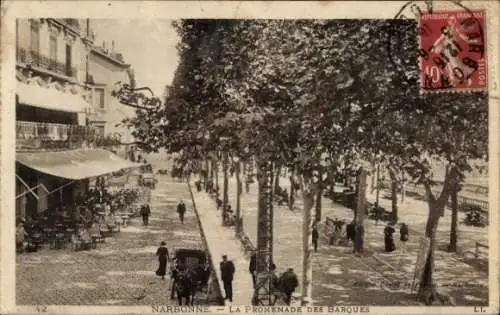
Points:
[[50, 98], [75, 164]]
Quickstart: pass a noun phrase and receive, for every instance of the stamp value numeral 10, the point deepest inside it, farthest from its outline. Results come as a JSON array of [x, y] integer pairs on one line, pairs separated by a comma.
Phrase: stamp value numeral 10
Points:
[[433, 73]]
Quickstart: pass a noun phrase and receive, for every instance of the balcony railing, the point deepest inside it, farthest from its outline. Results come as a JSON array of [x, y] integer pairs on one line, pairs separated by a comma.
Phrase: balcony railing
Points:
[[36, 59], [73, 23], [37, 136]]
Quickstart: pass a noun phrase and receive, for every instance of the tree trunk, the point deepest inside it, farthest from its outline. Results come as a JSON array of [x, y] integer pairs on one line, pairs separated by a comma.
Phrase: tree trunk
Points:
[[225, 196], [403, 186], [216, 171], [319, 196], [347, 178], [360, 212], [205, 178], [264, 244], [291, 198], [238, 197], [394, 194], [377, 197], [394, 199], [308, 197], [426, 288], [372, 186], [277, 174], [212, 173], [452, 246]]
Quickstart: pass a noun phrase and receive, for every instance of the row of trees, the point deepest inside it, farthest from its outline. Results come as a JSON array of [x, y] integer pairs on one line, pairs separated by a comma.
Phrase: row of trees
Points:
[[315, 96]]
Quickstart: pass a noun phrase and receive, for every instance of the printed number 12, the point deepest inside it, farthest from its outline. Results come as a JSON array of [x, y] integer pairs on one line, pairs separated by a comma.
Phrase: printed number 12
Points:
[[41, 309]]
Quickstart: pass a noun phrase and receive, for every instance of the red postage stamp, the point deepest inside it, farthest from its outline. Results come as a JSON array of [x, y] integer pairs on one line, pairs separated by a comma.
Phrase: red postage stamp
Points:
[[453, 51]]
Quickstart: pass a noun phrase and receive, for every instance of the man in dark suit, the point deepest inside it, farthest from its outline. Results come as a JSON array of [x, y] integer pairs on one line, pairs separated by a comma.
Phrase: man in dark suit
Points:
[[145, 213], [315, 237], [289, 282], [181, 210], [227, 271], [253, 267]]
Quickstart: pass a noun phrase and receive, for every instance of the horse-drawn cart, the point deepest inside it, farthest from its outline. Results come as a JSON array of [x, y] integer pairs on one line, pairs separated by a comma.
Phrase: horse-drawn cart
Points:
[[190, 273], [148, 180]]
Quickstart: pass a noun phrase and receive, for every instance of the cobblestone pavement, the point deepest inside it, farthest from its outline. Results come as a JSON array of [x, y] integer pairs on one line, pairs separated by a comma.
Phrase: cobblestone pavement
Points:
[[121, 271], [376, 278]]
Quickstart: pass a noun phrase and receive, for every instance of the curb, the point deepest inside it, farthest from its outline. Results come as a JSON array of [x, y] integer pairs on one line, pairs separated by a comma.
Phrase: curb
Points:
[[205, 244]]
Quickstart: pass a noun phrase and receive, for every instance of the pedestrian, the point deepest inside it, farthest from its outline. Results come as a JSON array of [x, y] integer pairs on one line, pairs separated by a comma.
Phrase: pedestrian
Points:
[[145, 212], [315, 237], [253, 268], [289, 282], [404, 236], [388, 238], [162, 254], [181, 210], [275, 283], [227, 273], [219, 203], [350, 231], [21, 236], [377, 211]]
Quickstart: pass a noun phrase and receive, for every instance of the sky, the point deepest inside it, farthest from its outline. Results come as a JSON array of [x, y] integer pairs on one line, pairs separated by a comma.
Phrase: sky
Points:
[[147, 45]]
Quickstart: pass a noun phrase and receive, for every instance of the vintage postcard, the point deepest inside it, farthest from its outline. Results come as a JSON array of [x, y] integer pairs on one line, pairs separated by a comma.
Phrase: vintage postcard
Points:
[[249, 157]]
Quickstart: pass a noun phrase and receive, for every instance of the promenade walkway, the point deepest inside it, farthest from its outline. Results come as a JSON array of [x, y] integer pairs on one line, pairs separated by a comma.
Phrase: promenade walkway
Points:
[[222, 241], [341, 277]]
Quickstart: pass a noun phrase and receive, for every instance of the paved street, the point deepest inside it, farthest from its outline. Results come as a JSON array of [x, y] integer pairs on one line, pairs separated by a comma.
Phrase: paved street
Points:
[[121, 272]]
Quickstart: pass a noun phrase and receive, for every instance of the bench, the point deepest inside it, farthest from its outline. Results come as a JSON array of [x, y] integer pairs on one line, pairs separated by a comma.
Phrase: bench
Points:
[[328, 230], [246, 244]]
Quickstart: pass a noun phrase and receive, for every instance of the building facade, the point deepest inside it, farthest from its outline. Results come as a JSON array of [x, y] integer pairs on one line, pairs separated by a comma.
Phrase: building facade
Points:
[[58, 150], [107, 68]]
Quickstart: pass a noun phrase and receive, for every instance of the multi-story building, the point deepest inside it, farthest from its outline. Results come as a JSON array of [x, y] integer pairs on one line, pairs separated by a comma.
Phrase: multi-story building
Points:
[[55, 144], [107, 68]]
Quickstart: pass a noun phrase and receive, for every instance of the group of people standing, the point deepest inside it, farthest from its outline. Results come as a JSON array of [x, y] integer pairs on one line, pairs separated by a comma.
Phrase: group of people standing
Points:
[[404, 235], [350, 234], [145, 212], [283, 285]]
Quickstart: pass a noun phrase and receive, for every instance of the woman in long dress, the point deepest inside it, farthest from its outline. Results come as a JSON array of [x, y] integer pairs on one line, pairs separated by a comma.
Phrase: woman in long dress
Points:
[[388, 238], [162, 254]]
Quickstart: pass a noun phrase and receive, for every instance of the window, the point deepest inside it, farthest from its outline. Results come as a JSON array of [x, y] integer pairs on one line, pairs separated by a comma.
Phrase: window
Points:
[[99, 130], [99, 97], [53, 50], [35, 38], [69, 71]]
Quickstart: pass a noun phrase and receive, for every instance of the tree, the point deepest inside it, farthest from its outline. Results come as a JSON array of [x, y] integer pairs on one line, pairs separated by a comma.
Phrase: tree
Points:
[[287, 92]]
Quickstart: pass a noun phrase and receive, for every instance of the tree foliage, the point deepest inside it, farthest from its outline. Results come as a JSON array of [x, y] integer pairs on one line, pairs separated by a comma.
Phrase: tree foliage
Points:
[[311, 93]]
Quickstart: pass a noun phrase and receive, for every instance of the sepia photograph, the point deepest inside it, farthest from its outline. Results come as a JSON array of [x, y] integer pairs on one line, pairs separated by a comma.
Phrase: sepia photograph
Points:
[[252, 164]]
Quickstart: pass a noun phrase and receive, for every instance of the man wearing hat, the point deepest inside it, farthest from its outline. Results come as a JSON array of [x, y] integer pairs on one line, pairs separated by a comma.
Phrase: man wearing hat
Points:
[[227, 271], [289, 283], [181, 210]]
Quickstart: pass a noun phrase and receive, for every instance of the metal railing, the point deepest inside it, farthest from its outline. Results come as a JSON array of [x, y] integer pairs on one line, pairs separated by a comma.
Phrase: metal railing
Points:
[[36, 59], [33, 136], [462, 200]]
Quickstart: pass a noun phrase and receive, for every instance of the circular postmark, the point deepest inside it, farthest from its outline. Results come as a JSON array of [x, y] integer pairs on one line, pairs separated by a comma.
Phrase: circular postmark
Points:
[[450, 54]]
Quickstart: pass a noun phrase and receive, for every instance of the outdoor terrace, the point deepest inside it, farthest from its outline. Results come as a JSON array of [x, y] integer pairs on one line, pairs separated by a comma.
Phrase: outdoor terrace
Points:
[[40, 136]]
